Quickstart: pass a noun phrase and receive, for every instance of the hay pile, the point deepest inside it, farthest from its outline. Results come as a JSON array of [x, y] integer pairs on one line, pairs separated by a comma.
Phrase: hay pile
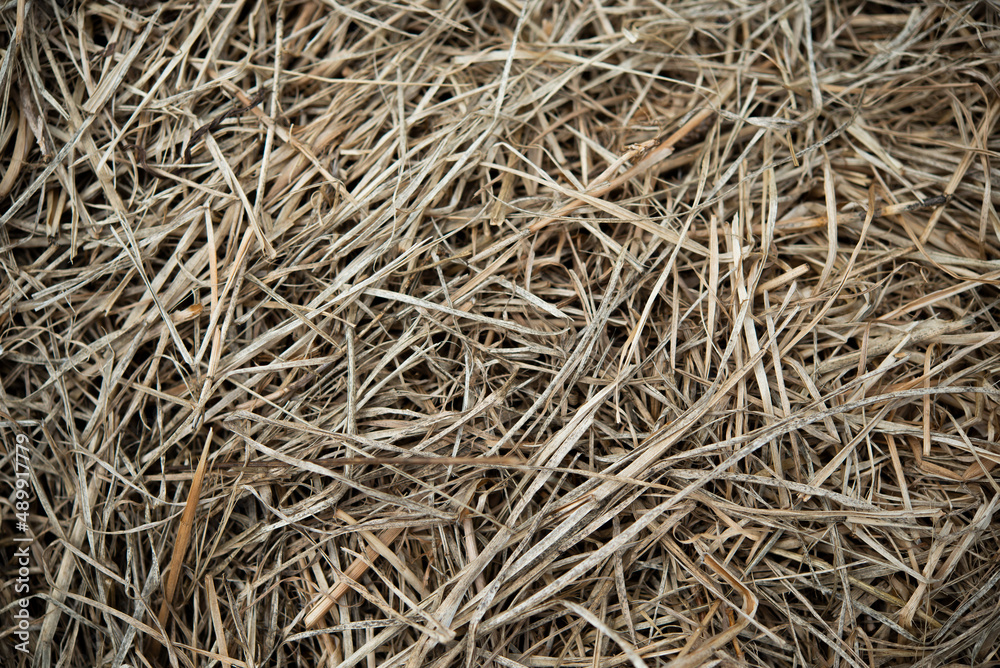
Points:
[[502, 334]]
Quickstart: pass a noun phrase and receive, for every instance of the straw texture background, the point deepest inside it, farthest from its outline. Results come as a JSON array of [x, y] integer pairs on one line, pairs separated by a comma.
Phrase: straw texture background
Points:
[[544, 333]]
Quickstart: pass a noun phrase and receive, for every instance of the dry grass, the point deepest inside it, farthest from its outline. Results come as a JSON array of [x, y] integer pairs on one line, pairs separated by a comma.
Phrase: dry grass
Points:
[[503, 334]]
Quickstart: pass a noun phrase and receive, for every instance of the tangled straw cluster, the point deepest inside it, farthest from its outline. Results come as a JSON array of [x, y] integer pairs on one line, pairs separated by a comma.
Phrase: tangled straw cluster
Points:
[[503, 334]]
